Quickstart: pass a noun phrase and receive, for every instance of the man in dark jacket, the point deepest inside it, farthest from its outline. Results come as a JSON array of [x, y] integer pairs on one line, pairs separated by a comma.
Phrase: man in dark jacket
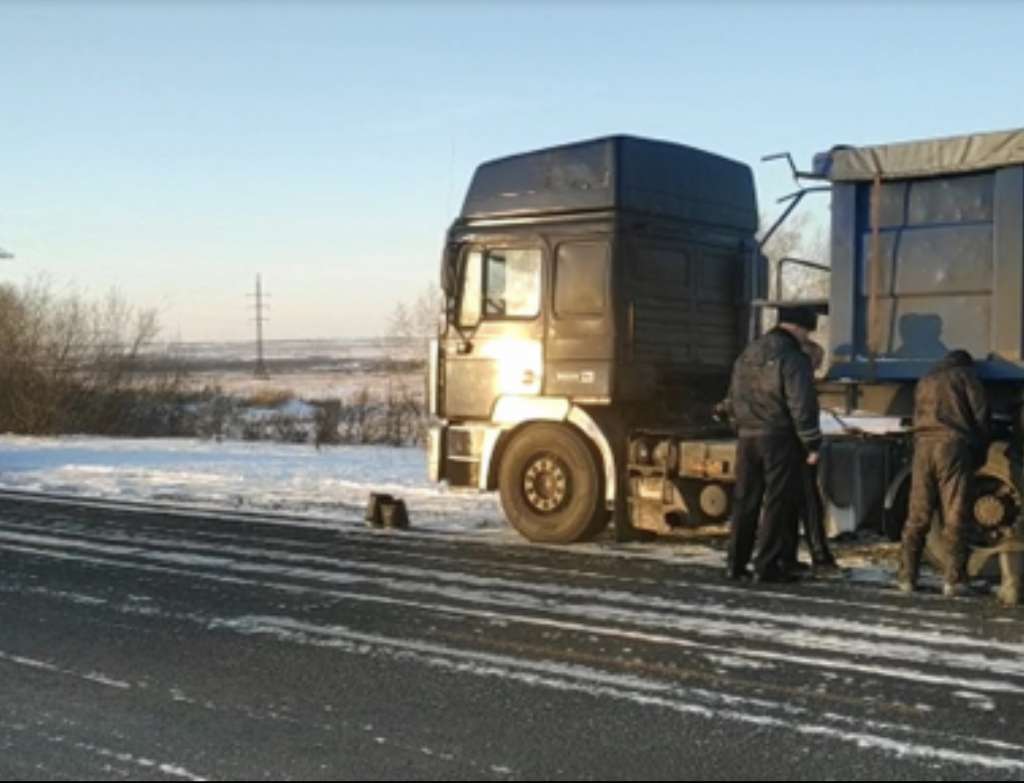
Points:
[[951, 436], [812, 511], [775, 411]]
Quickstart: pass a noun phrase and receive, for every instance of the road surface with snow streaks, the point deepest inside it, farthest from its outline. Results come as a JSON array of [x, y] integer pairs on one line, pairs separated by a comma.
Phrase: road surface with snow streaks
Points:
[[151, 645]]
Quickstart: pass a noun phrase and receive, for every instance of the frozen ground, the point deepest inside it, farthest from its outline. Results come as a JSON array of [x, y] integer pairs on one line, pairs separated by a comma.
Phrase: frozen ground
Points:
[[331, 485]]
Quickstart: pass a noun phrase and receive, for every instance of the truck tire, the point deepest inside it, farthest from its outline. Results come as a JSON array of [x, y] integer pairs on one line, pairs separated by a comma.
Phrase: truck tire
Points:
[[935, 552], [551, 485], [995, 505]]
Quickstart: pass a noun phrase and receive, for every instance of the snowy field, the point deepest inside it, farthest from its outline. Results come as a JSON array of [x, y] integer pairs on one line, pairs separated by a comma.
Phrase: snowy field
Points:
[[308, 350], [304, 369], [311, 385]]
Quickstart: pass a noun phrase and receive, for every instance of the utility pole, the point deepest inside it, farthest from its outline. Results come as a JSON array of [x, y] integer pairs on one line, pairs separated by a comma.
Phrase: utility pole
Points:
[[260, 306]]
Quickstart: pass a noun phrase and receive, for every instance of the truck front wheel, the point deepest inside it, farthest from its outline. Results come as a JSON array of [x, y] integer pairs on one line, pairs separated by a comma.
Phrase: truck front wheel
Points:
[[551, 486]]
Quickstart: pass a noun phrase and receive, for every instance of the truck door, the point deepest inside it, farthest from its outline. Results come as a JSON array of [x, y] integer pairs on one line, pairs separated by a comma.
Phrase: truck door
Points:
[[496, 349], [580, 338]]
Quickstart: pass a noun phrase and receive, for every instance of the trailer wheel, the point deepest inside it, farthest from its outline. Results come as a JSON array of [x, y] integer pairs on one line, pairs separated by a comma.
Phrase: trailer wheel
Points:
[[551, 486]]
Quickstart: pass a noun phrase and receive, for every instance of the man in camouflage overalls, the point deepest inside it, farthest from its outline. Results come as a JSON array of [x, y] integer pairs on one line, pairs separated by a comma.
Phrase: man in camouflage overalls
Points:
[[951, 436]]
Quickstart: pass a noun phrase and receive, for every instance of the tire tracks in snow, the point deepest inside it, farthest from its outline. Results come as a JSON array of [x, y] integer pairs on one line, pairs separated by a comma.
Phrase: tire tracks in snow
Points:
[[584, 629]]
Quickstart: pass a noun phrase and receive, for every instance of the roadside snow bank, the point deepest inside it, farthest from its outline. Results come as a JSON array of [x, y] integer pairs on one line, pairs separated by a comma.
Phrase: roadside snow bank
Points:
[[332, 483]]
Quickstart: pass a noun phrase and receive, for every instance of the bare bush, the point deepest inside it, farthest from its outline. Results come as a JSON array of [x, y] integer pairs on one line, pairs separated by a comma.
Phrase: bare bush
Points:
[[401, 415], [74, 365], [355, 417], [213, 413], [283, 428], [327, 423]]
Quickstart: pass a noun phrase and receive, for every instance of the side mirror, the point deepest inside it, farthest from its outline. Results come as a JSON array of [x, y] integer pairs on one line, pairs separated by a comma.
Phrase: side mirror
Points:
[[450, 269]]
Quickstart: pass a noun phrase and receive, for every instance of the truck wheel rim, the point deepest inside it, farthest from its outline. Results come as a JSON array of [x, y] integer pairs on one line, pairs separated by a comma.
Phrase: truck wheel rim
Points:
[[990, 511], [546, 483]]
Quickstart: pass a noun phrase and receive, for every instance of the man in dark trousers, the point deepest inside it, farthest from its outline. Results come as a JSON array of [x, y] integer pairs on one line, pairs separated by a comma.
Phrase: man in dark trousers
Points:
[[775, 410], [812, 511], [951, 436]]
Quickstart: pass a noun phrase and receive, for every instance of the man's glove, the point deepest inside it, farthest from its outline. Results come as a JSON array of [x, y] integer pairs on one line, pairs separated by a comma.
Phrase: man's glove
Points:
[[722, 412]]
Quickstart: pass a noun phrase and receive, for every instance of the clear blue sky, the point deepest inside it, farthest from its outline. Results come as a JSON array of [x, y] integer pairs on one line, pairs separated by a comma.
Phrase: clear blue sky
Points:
[[175, 149]]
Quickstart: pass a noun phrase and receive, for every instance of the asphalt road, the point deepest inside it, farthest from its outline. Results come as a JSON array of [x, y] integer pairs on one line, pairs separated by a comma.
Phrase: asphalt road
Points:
[[156, 646]]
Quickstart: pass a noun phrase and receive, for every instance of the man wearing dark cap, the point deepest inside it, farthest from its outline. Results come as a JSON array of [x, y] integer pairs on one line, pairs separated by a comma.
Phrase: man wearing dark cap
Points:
[[774, 408], [951, 436]]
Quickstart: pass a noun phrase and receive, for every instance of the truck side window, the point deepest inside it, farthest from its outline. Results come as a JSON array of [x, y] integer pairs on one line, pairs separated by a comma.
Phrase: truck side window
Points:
[[469, 301], [581, 278], [512, 283]]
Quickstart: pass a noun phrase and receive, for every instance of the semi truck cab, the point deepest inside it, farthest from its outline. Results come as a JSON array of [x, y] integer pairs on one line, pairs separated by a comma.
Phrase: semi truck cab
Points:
[[596, 296]]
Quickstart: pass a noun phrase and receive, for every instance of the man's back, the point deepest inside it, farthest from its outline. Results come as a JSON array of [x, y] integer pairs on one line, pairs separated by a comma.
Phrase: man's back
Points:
[[772, 389], [950, 402], [950, 442]]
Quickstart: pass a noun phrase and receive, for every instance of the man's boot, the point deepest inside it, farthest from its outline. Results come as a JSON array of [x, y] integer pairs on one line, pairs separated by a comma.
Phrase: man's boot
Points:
[[955, 589], [910, 562], [1011, 564]]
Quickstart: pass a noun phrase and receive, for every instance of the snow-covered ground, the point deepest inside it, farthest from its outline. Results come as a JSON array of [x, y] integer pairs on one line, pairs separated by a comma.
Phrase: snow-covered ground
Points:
[[304, 369], [312, 385], [330, 486], [341, 348]]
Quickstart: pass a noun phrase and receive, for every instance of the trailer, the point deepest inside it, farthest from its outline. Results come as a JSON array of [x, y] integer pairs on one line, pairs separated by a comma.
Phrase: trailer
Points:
[[927, 255]]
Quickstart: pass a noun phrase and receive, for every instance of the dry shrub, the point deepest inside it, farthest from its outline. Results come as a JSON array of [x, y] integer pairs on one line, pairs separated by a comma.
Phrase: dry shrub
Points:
[[70, 364]]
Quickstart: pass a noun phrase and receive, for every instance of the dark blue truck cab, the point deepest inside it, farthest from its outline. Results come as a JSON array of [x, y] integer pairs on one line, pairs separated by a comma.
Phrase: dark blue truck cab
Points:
[[594, 291]]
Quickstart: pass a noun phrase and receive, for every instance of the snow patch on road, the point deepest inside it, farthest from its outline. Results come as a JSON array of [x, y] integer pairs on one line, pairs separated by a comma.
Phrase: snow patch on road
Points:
[[644, 691]]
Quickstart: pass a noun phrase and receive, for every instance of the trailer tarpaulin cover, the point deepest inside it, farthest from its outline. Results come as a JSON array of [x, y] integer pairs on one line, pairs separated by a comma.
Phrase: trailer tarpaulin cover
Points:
[[931, 157]]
